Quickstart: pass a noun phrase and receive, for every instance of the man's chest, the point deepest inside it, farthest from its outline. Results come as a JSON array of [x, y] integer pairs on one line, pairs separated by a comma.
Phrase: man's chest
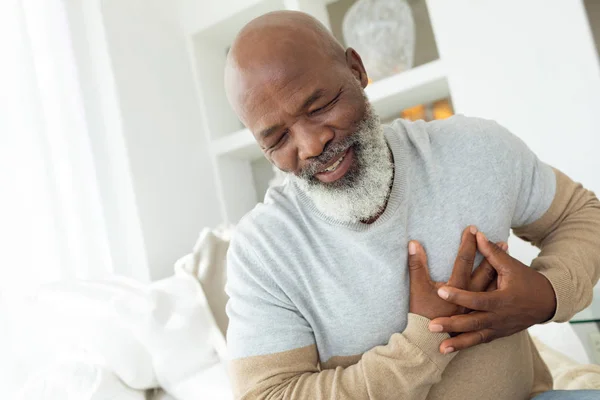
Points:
[[354, 293]]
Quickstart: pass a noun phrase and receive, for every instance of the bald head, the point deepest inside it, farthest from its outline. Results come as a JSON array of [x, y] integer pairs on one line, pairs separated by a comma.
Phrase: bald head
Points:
[[279, 35], [277, 47]]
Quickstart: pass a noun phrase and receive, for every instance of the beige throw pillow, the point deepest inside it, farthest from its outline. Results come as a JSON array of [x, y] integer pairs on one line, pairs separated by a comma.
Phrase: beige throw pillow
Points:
[[208, 263]]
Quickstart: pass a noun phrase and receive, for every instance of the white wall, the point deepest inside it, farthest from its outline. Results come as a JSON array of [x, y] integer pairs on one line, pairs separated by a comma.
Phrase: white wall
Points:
[[167, 151], [194, 15]]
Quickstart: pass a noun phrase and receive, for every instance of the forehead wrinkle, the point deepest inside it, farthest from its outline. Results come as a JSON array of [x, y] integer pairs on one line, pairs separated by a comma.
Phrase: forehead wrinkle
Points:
[[284, 95]]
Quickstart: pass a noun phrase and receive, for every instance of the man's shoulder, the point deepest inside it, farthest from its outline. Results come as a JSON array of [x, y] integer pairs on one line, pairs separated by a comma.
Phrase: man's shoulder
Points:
[[277, 215], [457, 127], [263, 239], [473, 140]]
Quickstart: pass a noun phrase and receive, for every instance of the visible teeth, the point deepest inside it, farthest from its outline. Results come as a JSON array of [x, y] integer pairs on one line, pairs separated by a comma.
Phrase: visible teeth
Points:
[[335, 165]]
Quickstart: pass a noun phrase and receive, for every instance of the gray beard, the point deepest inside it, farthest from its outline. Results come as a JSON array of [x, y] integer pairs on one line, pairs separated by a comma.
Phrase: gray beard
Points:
[[362, 192]]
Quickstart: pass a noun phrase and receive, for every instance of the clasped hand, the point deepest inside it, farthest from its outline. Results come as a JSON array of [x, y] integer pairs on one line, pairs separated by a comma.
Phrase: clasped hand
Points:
[[501, 297]]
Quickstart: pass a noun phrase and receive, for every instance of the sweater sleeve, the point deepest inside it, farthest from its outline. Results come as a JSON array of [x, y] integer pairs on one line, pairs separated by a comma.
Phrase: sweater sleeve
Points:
[[274, 355], [568, 234]]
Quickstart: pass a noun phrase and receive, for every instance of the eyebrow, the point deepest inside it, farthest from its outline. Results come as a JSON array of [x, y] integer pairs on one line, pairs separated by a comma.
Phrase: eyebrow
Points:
[[316, 95], [269, 131]]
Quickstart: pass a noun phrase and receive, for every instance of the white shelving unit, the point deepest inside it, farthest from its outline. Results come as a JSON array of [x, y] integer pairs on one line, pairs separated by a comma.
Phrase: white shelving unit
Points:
[[419, 85], [232, 146]]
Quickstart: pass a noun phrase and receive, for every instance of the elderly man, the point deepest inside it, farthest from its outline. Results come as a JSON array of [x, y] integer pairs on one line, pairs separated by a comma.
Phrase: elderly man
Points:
[[331, 293]]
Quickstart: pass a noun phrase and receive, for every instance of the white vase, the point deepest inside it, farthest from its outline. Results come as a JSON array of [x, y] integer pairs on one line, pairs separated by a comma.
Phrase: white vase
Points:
[[383, 34]]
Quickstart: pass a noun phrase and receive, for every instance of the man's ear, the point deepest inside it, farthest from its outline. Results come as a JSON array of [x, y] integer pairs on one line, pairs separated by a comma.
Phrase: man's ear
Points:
[[355, 64]]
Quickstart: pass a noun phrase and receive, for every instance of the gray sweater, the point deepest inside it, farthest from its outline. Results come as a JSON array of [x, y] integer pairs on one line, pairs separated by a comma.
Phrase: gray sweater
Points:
[[297, 277]]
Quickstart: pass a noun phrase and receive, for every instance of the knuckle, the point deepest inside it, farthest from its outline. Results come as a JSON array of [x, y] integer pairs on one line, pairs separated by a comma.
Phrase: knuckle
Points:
[[507, 300], [494, 247], [484, 337], [504, 321], [466, 258], [480, 303], [489, 272], [481, 337], [452, 323], [487, 324], [414, 262], [483, 323]]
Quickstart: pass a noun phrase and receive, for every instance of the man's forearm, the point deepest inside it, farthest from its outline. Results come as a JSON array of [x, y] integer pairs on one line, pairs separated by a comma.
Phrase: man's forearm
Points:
[[568, 235], [405, 368]]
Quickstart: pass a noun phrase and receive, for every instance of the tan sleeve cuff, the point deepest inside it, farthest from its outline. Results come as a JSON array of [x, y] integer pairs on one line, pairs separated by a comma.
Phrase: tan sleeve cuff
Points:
[[417, 332], [563, 286]]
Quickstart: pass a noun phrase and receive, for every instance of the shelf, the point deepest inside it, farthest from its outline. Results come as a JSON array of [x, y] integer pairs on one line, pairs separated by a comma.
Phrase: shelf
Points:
[[389, 96], [419, 85], [240, 144]]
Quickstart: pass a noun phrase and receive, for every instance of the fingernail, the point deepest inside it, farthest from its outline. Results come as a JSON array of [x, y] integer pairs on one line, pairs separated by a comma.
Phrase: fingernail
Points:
[[412, 248], [473, 230], [443, 293], [448, 350], [435, 328]]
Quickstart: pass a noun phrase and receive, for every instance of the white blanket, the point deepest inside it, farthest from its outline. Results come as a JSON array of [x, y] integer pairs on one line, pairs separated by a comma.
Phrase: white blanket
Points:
[[160, 335]]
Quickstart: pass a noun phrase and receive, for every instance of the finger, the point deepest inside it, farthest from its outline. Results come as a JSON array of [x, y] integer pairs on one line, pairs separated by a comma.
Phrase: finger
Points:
[[493, 286], [482, 301], [484, 274], [417, 263], [495, 255], [466, 340], [474, 321], [482, 277], [463, 265]]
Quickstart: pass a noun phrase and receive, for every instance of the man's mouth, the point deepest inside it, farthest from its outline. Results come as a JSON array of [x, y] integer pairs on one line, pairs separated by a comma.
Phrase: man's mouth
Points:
[[337, 167], [335, 164]]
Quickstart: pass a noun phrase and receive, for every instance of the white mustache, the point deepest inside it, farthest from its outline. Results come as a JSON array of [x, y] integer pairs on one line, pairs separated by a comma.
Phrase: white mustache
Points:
[[330, 153]]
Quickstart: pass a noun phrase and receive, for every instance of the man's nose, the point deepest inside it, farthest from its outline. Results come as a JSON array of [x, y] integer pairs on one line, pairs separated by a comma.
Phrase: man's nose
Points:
[[311, 140]]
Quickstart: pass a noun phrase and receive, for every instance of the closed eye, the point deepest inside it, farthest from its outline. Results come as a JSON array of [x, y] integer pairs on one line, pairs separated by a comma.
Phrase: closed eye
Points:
[[280, 141], [326, 106]]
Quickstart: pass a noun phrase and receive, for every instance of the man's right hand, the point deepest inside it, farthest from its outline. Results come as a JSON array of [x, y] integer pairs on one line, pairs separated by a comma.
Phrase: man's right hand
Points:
[[424, 299]]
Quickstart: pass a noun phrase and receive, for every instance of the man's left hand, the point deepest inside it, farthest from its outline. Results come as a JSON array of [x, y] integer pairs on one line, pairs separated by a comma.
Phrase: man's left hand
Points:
[[524, 297]]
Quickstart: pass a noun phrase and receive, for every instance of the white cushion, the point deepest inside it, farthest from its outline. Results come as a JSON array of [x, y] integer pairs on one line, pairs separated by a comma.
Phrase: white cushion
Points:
[[562, 338], [166, 334], [173, 322], [77, 380], [77, 319], [567, 373], [160, 334]]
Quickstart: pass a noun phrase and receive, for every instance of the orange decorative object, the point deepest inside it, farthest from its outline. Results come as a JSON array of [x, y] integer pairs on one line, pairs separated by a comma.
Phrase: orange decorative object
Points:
[[442, 109], [414, 113]]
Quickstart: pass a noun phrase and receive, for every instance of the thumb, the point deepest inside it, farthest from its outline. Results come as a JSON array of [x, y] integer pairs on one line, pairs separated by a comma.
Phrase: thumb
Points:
[[491, 251], [417, 263]]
